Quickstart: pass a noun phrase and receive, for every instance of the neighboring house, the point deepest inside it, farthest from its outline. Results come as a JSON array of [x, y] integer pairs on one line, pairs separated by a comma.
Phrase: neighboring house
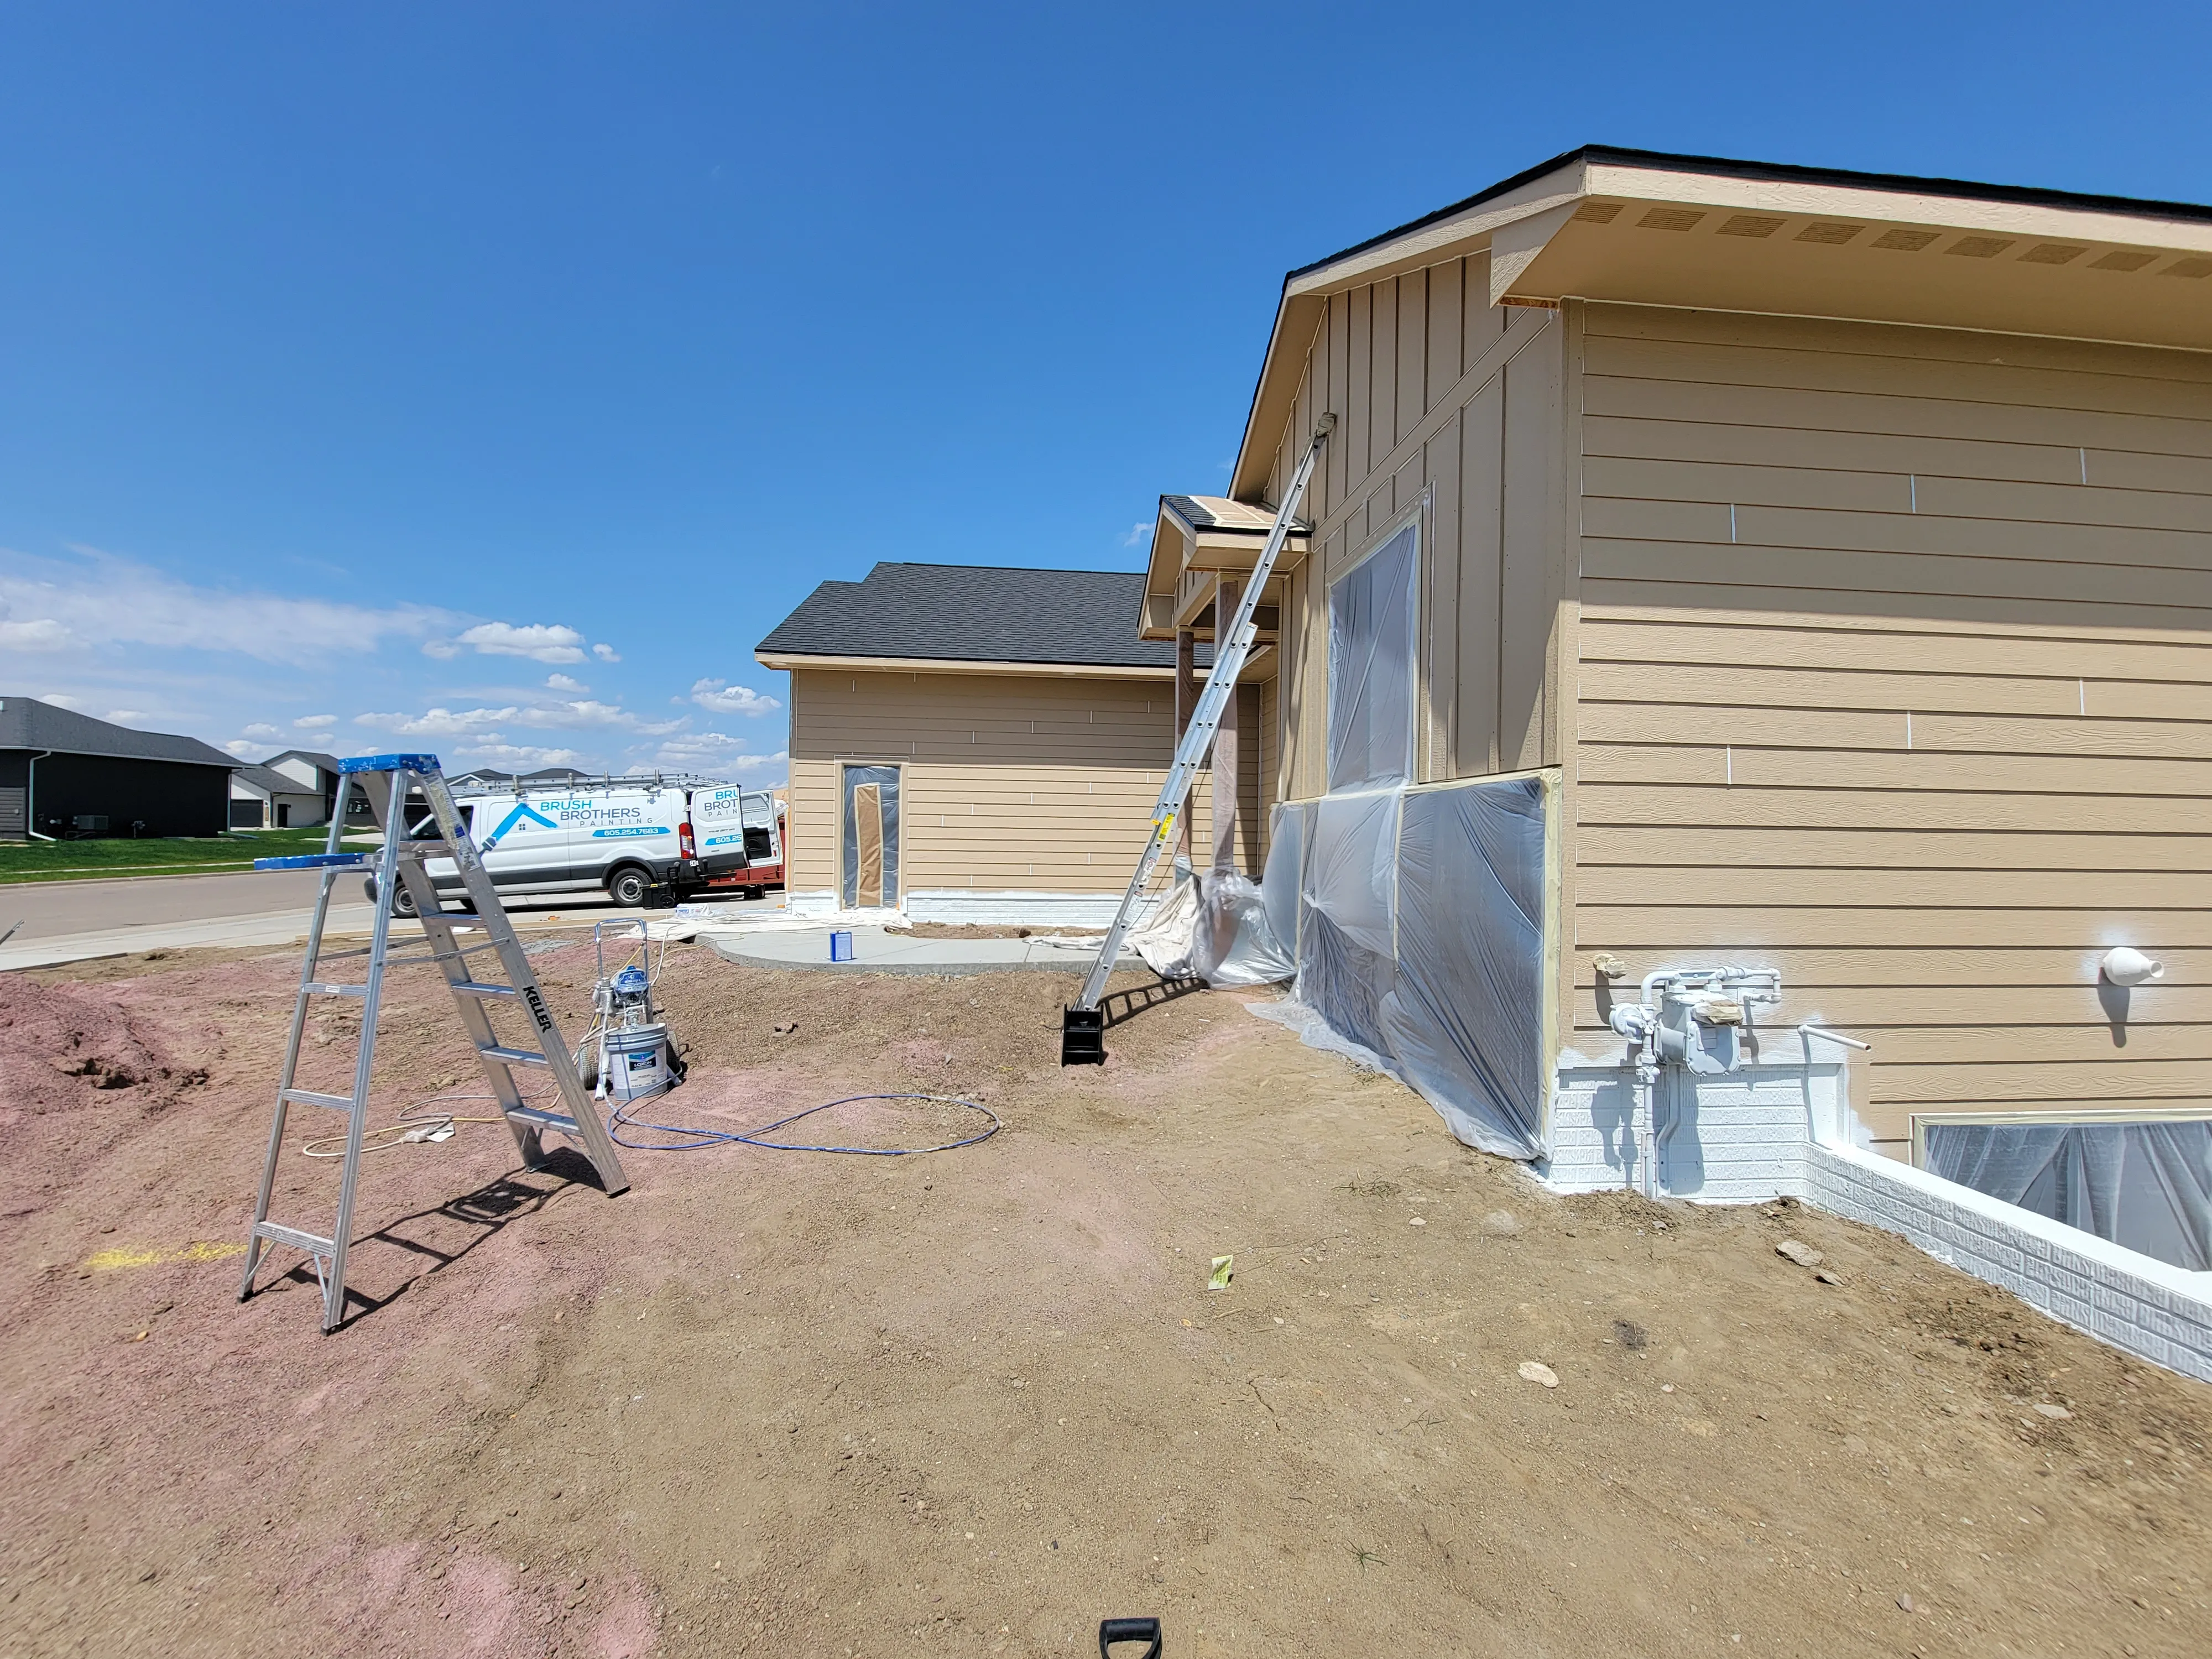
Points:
[[973, 742], [490, 777], [65, 774], [1831, 555], [296, 790]]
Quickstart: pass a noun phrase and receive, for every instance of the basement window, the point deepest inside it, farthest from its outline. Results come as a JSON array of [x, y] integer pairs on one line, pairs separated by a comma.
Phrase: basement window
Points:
[[2142, 1180], [1372, 611]]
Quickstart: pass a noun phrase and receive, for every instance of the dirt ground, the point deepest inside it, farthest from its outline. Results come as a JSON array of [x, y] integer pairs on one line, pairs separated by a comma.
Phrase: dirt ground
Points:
[[786, 1403]]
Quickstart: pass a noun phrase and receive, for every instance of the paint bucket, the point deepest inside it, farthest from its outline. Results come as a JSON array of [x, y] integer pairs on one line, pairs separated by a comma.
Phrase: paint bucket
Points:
[[841, 944], [636, 1062]]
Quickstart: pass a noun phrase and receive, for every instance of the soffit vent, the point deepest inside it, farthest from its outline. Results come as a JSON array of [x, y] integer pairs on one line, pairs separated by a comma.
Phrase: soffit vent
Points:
[[1904, 241], [2188, 268], [2119, 259], [2051, 253], [1979, 247], [1828, 234], [1750, 224], [1598, 213], [1671, 219]]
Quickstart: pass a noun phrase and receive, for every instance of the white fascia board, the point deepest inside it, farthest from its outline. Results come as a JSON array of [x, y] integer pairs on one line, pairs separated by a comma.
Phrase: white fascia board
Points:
[[1798, 196], [1448, 237], [785, 662]]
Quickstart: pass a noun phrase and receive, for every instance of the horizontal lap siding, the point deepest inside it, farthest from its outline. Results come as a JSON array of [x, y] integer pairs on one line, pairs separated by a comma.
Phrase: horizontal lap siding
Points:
[[1895, 671], [1435, 391], [1043, 784]]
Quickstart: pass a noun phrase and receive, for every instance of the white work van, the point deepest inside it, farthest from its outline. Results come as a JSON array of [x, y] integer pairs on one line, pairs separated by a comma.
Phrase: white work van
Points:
[[626, 836]]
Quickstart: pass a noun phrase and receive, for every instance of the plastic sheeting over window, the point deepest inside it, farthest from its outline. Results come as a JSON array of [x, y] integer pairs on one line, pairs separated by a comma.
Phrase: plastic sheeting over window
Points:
[[870, 854], [1419, 935], [2147, 1187], [1371, 613]]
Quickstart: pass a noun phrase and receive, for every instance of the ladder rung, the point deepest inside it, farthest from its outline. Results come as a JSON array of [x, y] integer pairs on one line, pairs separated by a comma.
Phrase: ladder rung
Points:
[[311, 1098], [276, 1233], [515, 1056], [333, 988], [470, 987], [538, 1118]]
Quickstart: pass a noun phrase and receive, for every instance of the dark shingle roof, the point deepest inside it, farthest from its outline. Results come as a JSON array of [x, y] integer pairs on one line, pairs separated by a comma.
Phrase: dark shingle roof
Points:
[[313, 757], [26, 723], [977, 613], [263, 778]]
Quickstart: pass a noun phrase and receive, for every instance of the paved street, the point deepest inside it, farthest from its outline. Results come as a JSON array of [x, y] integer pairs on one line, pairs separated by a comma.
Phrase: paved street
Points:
[[72, 920]]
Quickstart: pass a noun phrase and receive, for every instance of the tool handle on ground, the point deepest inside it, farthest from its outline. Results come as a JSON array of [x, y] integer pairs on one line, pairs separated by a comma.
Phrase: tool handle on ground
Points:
[[1232, 644], [1111, 1631]]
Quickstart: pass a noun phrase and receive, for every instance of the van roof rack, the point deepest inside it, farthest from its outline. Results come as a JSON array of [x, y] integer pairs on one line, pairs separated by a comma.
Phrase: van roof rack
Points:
[[465, 785]]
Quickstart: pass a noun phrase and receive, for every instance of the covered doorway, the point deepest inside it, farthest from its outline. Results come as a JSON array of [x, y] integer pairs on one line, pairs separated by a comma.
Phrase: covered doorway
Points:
[[868, 854]]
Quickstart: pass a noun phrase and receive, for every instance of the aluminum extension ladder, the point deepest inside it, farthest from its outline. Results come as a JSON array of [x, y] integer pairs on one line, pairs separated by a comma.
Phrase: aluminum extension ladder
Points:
[[1083, 1024], [385, 782]]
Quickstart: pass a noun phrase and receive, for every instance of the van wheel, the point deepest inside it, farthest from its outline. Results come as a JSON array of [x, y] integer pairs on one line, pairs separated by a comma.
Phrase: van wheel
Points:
[[403, 902], [628, 887]]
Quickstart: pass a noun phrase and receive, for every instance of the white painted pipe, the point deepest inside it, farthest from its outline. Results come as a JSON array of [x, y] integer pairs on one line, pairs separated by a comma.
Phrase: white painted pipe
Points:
[[1832, 1036]]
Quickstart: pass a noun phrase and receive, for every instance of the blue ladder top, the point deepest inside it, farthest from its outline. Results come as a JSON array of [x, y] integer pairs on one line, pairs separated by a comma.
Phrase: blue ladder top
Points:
[[390, 764], [312, 861]]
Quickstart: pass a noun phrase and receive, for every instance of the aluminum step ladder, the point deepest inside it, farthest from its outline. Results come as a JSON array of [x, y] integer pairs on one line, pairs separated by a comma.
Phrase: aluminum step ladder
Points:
[[1083, 1024], [386, 782]]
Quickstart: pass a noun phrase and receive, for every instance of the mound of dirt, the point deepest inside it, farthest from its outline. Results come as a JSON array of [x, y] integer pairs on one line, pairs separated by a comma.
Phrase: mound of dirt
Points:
[[972, 1402]]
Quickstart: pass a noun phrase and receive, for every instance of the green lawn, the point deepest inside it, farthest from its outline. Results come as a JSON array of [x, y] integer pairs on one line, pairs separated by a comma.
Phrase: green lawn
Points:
[[86, 860]]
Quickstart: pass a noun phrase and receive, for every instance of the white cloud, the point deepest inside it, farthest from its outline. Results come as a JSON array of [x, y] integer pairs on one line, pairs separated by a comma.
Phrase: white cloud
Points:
[[316, 722], [99, 600], [41, 634], [439, 722], [62, 700], [719, 752], [539, 642], [562, 683], [605, 653], [242, 748], [727, 699], [263, 732], [515, 756], [123, 716], [1140, 533]]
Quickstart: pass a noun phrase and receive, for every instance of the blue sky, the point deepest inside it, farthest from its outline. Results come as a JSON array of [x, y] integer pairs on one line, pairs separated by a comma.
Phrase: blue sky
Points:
[[493, 377]]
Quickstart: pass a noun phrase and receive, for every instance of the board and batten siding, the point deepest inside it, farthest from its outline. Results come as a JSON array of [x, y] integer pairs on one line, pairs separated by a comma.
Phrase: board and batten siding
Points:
[[1020, 783], [1457, 408], [1893, 670]]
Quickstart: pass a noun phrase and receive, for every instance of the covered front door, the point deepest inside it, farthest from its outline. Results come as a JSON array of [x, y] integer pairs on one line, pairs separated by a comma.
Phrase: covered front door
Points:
[[869, 845]]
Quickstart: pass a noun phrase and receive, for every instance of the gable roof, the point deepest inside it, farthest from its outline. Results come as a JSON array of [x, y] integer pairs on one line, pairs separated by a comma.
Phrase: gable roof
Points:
[[313, 757], [1756, 236], [267, 780], [972, 614], [27, 723]]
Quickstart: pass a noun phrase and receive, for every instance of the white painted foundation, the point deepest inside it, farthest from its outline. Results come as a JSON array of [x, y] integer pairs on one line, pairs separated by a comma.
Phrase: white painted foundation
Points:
[[1788, 1130], [990, 909]]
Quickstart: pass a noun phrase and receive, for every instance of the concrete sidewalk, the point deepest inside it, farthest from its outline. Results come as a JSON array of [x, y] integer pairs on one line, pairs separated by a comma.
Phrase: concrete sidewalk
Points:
[[879, 950], [268, 927]]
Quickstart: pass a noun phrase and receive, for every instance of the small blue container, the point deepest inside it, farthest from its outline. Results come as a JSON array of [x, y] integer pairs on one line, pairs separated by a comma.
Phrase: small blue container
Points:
[[841, 944]]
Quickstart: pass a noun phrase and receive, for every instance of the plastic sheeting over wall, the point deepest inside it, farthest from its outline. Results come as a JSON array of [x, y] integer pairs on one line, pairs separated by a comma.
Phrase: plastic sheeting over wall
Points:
[[2147, 1187], [1215, 927], [1419, 929]]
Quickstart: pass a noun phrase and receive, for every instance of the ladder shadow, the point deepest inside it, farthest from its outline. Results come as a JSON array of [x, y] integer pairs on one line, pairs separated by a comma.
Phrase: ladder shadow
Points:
[[1122, 1006], [490, 1210]]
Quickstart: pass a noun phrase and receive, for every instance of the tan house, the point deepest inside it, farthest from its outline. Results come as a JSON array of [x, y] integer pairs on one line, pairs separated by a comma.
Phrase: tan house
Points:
[[980, 744], [1835, 550]]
